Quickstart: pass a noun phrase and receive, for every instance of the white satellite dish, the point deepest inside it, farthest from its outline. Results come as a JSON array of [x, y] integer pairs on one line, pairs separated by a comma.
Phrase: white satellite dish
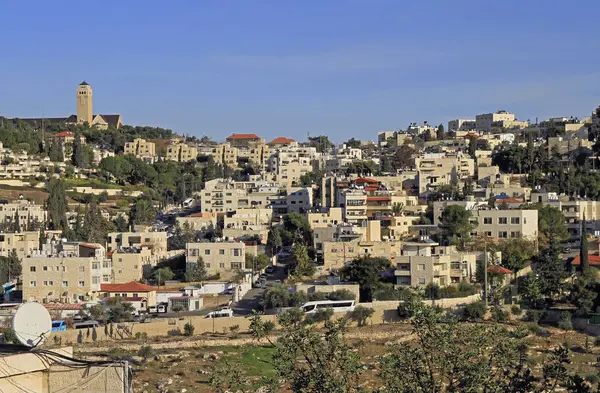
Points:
[[32, 324]]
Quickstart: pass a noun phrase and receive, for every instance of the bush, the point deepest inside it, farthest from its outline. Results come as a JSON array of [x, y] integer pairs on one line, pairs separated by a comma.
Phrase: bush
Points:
[[188, 329], [9, 336], [537, 329], [515, 309], [499, 315], [432, 291], [361, 314], [321, 315], [533, 315], [234, 330], [521, 332], [80, 337], [145, 351], [474, 311], [597, 341], [564, 322]]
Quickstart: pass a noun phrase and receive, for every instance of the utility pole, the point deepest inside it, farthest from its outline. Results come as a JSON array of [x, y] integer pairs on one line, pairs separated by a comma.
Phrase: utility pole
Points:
[[485, 269]]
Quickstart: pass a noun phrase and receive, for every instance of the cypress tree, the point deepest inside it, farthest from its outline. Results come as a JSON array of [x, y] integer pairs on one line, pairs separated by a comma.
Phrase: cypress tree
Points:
[[583, 247]]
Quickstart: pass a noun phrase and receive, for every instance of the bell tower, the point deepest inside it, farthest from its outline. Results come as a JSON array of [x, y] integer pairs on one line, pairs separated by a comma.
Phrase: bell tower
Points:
[[84, 103]]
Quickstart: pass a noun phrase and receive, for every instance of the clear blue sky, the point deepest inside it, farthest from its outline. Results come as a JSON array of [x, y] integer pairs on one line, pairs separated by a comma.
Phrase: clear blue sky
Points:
[[282, 67]]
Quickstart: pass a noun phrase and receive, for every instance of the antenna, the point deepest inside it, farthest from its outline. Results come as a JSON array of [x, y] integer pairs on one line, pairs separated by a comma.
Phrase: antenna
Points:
[[32, 324]]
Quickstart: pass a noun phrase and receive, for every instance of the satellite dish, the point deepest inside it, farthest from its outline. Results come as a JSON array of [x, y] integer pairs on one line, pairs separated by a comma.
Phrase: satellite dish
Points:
[[32, 324]]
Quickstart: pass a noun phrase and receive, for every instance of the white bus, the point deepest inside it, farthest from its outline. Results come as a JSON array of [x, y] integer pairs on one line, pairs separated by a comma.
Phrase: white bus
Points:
[[222, 313], [335, 305]]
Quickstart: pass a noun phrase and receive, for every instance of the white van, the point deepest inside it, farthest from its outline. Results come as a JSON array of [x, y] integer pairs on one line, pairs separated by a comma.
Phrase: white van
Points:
[[223, 313]]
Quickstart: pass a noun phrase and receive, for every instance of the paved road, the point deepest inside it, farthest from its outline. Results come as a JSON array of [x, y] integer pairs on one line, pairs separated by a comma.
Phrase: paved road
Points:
[[251, 300]]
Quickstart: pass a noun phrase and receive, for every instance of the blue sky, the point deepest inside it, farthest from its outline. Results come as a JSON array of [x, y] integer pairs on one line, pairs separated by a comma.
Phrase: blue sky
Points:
[[287, 68]]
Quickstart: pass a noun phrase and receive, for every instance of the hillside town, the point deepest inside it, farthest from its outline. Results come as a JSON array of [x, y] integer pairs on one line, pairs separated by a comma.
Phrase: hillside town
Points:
[[104, 223]]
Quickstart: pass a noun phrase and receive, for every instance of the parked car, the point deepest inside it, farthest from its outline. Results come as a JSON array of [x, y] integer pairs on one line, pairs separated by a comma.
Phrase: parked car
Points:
[[228, 291], [270, 269], [59, 326]]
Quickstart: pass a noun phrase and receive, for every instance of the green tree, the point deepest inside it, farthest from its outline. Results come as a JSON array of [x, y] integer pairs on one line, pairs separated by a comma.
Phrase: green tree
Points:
[[473, 147], [55, 152], [583, 248], [455, 224], [274, 241], [56, 204], [188, 329], [303, 265], [16, 223], [550, 269], [121, 224], [366, 271], [440, 132], [162, 274], [196, 271], [145, 352], [143, 211], [531, 291], [96, 312], [361, 314], [78, 159], [516, 253], [118, 310], [256, 262], [584, 292], [321, 143], [353, 143], [10, 267]]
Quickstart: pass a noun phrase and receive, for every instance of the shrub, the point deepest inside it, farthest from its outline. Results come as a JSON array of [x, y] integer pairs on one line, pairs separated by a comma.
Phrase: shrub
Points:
[[521, 332], [145, 352], [515, 309], [537, 329], [432, 291], [499, 315], [321, 315], [94, 335], [80, 337], [9, 336], [361, 314], [341, 294], [597, 341], [188, 329], [533, 316], [474, 311], [564, 322], [234, 330]]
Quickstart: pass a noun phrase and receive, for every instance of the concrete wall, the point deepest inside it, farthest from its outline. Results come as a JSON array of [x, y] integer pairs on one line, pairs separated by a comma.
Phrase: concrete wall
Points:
[[109, 191], [29, 372]]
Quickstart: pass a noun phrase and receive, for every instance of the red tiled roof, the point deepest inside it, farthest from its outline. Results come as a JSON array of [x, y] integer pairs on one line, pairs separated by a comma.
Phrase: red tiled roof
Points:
[[90, 245], [508, 200], [243, 136], [378, 199], [499, 269], [132, 286], [202, 214], [594, 260], [64, 134], [133, 299], [281, 140], [364, 180], [63, 306]]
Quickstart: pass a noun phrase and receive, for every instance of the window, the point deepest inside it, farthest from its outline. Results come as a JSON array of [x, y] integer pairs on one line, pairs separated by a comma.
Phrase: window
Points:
[[502, 220], [503, 234], [106, 264], [45, 283], [237, 252], [221, 251], [515, 234], [82, 283], [32, 283], [65, 283], [421, 281], [487, 220], [45, 268], [81, 269], [515, 220], [206, 252], [96, 280], [222, 265], [350, 249], [316, 235], [455, 265], [135, 295], [64, 268], [421, 267], [207, 265], [236, 265], [95, 265], [488, 233], [106, 278], [32, 269]]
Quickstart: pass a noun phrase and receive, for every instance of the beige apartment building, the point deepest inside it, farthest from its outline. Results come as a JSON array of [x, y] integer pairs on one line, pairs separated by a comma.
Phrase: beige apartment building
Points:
[[500, 119], [248, 222], [218, 257], [495, 224], [573, 210], [200, 222], [436, 169], [72, 272], [141, 149], [332, 216], [258, 154], [132, 264], [462, 125], [181, 152], [338, 252], [27, 211], [243, 140], [226, 155], [25, 244], [155, 241], [225, 195], [422, 263]]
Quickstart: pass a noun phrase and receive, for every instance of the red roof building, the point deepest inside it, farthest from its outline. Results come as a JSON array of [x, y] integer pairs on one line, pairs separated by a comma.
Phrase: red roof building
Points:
[[281, 141], [499, 269], [128, 287], [594, 260], [242, 140]]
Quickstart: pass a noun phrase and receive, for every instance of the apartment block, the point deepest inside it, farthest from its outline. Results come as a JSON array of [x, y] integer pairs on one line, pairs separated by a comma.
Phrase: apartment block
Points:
[[258, 154], [225, 195], [500, 119], [330, 217], [354, 204], [225, 154], [132, 264], [422, 263], [154, 241], [200, 222], [72, 272], [338, 252], [226, 256], [181, 152], [25, 244], [141, 149], [248, 222], [28, 212], [437, 169], [574, 211], [492, 223], [462, 125], [243, 140]]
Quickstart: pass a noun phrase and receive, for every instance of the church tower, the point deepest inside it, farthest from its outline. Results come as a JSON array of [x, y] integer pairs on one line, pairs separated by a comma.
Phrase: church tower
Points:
[[84, 103]]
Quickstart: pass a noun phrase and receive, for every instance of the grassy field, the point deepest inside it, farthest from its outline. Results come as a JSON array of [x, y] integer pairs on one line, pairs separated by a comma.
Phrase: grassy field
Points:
[[188, 366]]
